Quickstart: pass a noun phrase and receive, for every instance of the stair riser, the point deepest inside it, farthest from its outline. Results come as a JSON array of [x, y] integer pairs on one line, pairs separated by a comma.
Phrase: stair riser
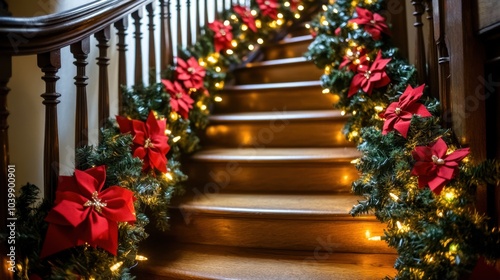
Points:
[[234, 176], [276, 133], [293, 72], [275, 99], [287, 50], [308, 235]]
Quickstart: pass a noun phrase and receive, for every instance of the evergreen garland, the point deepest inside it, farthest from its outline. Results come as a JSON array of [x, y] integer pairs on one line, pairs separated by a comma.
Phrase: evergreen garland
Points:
[[437, 236]]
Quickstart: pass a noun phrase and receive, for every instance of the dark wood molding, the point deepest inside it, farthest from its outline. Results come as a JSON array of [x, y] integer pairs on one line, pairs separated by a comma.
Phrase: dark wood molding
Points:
[[22, 36]]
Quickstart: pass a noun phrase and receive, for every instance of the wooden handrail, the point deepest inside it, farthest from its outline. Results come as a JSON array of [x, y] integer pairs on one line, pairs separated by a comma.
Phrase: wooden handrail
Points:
[[23, 36]]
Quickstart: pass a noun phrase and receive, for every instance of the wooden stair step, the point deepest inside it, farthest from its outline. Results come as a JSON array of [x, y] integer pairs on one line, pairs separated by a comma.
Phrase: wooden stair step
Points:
[[309, 155], [278, 96], [169, 261], [273, 170], [278, 71], [276, 221], [277, 129], [288, 47]]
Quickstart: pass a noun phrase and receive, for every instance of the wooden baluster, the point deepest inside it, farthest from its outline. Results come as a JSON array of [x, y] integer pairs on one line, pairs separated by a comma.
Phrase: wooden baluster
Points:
[[420, 47], [223, 6], [137, 15], [103, 37], [432, 61], [80, 51], [179, 24], [50, 62], [444, 62], [164, 28], [189, 32], [206, 12], [198, 20], [152, 49], [216, 9], [170, 53], [121, 26], [166, 53]]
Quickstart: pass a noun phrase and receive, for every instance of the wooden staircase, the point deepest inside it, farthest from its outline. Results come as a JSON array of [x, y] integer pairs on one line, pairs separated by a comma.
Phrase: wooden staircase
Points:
[[269, 195]]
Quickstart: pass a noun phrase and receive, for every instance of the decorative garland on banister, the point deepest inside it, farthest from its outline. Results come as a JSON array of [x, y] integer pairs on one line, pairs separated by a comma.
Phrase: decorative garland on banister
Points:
[[94, 227], [414, 175]]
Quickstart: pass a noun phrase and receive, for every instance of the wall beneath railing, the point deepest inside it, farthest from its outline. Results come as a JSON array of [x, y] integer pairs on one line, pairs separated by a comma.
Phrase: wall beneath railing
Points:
[[26, 118]]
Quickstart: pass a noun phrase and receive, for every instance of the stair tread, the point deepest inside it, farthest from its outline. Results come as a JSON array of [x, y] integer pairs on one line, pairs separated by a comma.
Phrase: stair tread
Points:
[[341, 154], [292, 206], [282, 61], [296, 39], [316, 83], [313, 115], [217, 262]]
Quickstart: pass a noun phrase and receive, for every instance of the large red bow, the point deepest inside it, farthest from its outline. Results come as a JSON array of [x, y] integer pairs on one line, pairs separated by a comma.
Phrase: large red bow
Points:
[[190, 73], [246, 17], [150, 142], [269, 8], [398, 115], [434, 167], [180, 101], [222, 35], [370, 77], [83, 214], [373, 23]]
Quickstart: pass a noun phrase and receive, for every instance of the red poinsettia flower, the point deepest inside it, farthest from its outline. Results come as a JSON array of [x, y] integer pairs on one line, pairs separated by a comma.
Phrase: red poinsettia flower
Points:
[[354, 57], [190, 73], [294, 4], [180, 101], [150, 142], [337, 31], [246, 17], [398, 115], [222, 35], [370, 77], [434, 167], [269, 8], [83, 214], [373, 23]]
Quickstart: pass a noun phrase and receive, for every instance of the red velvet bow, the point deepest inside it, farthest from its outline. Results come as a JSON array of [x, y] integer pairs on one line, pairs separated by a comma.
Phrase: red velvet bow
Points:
[[398, 115], [434, 167], [180, 101], [371, 77], [150, 142], [246, 17], [353, 58], [269, 8], [83, 214], [222, 35], [373, 23], [190, 73]]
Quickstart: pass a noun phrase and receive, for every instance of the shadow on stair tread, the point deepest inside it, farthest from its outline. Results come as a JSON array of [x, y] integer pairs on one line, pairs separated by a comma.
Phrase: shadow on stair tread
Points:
[[189, 261]]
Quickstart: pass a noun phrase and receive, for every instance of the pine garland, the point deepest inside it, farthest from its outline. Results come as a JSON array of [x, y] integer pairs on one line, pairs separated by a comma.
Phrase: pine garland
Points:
[[437, 236]]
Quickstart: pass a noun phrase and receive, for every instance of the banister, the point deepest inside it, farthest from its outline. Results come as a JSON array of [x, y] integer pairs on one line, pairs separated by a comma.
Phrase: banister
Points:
[[24, 36]]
